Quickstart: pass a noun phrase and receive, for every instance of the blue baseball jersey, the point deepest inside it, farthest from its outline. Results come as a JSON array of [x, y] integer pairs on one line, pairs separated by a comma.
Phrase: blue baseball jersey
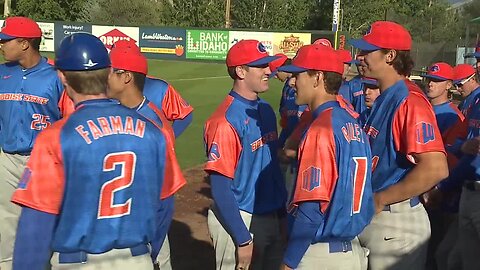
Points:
[[290, 112], [30, 100], [335, 168], [101, 171], [447, 115], [352, 91], [401, 123], [471, 100], [165, 97], [241, 143]]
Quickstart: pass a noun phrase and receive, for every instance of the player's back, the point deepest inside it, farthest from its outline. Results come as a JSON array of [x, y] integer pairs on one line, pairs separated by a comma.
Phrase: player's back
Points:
[[114, 170], [350, 206]]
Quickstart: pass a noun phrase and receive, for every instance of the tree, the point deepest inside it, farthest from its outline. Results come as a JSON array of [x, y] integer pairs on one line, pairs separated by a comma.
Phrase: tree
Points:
[[63, 10], [122, 12], [194, 13]]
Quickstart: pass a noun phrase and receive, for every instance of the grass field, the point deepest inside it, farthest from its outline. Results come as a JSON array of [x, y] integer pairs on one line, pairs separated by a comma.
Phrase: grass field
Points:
[[204, 86]]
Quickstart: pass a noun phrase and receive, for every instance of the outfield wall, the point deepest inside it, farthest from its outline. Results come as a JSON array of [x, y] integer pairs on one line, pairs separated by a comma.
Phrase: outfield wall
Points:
[[185, 43]]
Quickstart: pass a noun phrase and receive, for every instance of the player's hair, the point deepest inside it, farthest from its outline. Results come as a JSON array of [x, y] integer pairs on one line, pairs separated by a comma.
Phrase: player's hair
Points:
[[332, 81], [139, 80], [233, 73], [403, 62], [34, 43], [89, 82]]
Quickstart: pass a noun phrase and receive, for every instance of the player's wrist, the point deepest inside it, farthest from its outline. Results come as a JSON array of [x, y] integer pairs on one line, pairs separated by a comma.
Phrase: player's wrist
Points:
[[247, 243]]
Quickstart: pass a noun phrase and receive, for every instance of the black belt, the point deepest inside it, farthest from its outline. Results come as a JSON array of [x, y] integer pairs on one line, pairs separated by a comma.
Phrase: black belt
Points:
[[18, 153], [81, 256]]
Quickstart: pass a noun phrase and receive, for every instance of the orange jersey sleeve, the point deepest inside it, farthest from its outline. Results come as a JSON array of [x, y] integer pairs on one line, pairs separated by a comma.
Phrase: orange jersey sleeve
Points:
[[42, 184], [317, 172], [66, 105], [174, 106], [415, 127], [222, 143]]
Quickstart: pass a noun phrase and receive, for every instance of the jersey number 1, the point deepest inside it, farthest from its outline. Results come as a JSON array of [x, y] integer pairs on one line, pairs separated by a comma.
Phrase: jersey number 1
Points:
[[359, 180], [106, 206]]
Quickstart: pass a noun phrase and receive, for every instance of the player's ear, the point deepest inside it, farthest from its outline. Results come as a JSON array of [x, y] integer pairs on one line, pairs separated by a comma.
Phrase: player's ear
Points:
[[449, 85], [128, 77], [390, 56], [240, 71], [318, 78]]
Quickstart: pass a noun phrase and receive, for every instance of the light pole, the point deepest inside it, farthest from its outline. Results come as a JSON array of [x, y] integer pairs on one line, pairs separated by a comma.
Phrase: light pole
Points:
[[6, 8], [227, 14]]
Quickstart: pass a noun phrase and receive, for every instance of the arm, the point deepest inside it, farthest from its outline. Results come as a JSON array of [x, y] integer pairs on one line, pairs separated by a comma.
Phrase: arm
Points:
[[430, 169], [228, 210], [164, 219], [34, 236], [308, 219], [179, 125], [229, 214]]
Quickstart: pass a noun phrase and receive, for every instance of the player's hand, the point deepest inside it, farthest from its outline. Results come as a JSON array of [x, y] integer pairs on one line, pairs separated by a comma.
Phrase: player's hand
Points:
[[285, 267], [244, 257], [471, 147], [283, 157]]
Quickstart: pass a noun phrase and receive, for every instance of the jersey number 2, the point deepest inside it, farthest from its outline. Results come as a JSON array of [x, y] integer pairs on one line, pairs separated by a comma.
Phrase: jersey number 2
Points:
[[359, 180], [106, 206]]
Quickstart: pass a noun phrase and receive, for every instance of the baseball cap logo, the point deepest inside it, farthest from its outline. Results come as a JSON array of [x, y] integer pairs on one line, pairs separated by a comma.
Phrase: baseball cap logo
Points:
[[90, 64], [369, 30], [434, 68], [261, 48]]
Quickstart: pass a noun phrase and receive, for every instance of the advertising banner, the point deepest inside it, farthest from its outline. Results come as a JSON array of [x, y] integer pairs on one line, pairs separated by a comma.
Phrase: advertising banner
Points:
[[289, 43], [207, 44], [165, 43], [65, 29], [265, 38], [48, 35], [111, 34]]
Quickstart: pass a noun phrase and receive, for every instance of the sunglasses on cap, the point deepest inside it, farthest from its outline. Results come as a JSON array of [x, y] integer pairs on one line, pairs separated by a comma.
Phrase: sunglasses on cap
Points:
[[464, 81]]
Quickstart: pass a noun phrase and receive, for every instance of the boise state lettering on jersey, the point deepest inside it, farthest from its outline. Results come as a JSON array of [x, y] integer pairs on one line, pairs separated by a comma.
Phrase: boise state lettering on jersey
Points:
[[335, 169], [401, 123], [99, 190], [241, 143], [28, 104]]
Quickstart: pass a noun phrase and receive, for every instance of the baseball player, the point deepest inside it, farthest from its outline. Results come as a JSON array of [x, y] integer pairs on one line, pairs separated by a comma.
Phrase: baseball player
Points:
[[90, 192], [290, 114], [247, 185], [31, 99], [126, 84], [371, 93], [407, 149], [467, 86], [175, 108], [333, 200], [442, 215], [351, 90]]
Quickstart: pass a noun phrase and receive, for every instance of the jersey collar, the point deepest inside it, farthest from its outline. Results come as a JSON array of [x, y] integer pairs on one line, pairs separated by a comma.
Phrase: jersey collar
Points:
[[237, 96], [96, 102], [324, 107]]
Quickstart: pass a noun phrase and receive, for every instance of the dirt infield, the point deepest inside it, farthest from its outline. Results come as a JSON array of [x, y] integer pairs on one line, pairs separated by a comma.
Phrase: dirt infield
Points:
[[190, 243]]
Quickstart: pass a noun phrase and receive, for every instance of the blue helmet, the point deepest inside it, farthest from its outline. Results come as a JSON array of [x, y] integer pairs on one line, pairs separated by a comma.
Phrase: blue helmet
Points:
[[81, 51]]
